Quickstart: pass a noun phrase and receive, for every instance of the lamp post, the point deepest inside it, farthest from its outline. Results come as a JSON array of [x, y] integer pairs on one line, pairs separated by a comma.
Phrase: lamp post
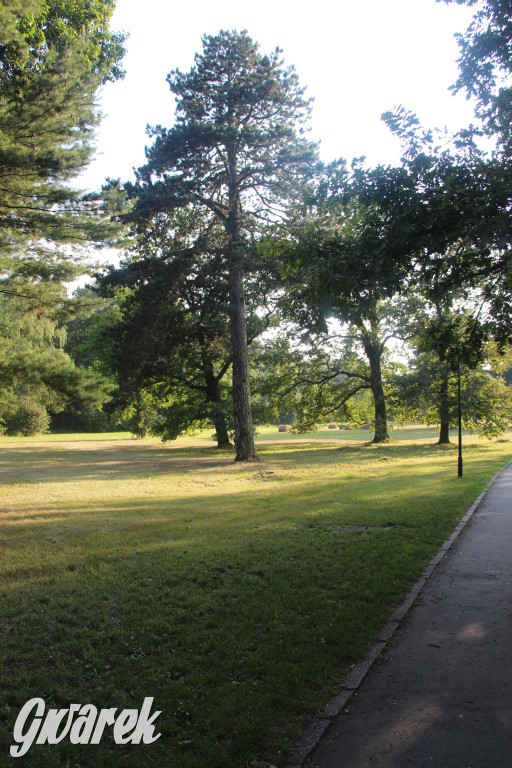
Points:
[[459, 467]]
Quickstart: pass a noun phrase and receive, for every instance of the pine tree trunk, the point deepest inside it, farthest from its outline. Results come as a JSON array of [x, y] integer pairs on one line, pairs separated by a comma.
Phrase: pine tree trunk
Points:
[[242, 413]]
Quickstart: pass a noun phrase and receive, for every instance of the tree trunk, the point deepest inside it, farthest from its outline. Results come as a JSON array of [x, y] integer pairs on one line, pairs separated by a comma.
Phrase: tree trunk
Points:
[[372, 348], [381, 422], [221, 431], [219, 421], [242, 413], [444, 433], [213, 396], [444, 409]]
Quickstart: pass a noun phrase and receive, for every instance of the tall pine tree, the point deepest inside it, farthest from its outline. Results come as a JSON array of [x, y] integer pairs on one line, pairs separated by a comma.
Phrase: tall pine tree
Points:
[[238, 152]]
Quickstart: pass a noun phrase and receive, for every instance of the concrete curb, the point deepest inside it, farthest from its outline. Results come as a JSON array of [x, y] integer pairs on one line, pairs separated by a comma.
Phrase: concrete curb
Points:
[[352, 681]]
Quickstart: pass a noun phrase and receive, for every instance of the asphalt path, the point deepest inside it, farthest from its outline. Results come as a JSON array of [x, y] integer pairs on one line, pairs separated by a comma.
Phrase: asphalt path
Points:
[[440, 696]]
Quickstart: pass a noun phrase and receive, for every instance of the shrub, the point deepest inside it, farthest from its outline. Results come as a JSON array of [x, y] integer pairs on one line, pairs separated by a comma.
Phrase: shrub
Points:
[[29, 418]]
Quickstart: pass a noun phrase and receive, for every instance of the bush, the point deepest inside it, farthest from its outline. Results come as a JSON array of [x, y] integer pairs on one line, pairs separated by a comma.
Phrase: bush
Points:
[[29, 418]]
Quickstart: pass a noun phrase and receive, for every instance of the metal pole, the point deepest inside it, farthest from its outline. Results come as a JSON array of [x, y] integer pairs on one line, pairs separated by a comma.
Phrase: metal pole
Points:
[[459, 468]]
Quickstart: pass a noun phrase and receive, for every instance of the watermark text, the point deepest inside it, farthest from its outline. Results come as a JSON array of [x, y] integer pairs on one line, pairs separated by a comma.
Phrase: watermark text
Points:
[[82, 724]]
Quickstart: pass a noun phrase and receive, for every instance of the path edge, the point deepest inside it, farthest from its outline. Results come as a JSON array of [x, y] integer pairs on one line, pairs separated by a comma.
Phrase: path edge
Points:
[[353, 679]]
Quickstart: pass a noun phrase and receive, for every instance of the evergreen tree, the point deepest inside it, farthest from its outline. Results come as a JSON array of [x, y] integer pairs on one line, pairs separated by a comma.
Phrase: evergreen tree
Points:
[[236, 152], [52, 61], [34, 368], [169, 349], [53, 57]]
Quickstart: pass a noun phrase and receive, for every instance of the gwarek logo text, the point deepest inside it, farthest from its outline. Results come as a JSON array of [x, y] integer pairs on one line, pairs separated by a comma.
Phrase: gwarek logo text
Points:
[[83, 724]]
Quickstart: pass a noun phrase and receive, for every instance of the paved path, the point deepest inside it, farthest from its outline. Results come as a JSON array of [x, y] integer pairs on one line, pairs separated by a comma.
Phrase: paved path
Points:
[[441, 697]]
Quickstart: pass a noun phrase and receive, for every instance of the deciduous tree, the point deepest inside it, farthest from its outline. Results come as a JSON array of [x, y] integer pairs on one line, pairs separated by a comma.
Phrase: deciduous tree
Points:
[[430, 386], [341, 266]]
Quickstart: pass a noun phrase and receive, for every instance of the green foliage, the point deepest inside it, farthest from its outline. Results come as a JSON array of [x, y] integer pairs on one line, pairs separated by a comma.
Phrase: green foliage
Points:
[[238, 128], [32, 29], [33, 362], [430, 388], [340, 266], [78, 418], [456, 337], [185, 417], [447, 222], [168, 329], [140, 415], [30, 418], [52, 61], [53, 57], [486, 404], [485, 66], [315, 382]]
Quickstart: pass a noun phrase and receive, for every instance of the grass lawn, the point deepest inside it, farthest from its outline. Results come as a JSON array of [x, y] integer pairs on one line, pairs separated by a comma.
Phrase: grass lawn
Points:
[[236, 595]]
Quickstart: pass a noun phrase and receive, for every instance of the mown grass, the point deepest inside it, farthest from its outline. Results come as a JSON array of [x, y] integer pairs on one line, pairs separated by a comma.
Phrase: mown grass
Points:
[[236, 595]]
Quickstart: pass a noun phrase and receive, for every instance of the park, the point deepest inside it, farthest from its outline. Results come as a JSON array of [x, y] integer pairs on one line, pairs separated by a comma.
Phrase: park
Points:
[[245, 396]]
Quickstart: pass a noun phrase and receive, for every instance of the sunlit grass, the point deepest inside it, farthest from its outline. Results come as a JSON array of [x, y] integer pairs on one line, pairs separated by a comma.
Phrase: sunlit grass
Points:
[[235, 594]]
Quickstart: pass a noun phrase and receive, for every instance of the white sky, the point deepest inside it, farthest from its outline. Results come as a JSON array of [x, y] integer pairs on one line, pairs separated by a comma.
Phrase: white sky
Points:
[[357, 58]]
